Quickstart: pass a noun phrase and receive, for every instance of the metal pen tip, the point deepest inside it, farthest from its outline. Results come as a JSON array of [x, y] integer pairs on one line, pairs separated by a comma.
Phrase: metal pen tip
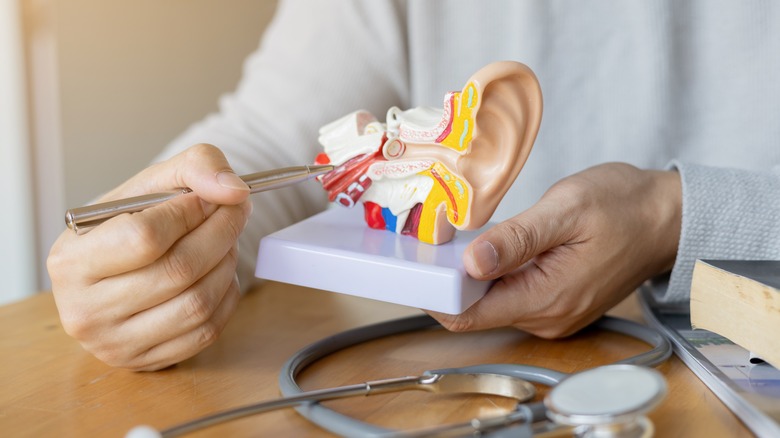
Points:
[[320, 169]]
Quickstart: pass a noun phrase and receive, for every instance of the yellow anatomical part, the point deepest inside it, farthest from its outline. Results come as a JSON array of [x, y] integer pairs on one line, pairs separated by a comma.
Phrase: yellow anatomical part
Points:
[[463, 119], [448, 189]]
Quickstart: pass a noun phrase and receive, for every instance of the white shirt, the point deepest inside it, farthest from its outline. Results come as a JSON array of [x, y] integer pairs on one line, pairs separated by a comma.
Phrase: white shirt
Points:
[[693, 85]]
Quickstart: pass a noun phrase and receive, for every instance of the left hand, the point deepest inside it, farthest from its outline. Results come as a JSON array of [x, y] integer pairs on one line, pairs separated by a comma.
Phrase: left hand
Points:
[[591, 240], [146, 290]]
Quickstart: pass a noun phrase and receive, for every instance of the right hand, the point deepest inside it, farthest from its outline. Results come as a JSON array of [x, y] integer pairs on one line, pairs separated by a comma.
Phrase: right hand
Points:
[[147, 290], [591, 240]]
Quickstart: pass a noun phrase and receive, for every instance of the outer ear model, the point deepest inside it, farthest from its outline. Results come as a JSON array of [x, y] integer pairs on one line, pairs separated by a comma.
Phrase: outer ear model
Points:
[[426, 172]]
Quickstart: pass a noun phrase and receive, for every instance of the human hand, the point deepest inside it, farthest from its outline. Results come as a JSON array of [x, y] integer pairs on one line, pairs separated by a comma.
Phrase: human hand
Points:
[[150, 289], [591, 240]]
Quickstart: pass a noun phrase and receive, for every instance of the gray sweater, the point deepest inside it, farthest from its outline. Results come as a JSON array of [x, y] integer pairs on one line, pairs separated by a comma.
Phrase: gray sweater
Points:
[[658, 84]]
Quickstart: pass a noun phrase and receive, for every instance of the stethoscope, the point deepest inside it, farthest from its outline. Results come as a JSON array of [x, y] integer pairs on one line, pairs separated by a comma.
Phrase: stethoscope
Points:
[[606, 401]]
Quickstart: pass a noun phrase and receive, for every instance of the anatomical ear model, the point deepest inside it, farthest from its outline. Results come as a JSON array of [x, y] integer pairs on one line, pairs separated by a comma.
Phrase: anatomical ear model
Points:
[[426, 172]]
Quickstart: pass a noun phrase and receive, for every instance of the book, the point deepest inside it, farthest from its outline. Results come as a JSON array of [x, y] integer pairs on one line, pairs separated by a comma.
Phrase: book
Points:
[[739, 300], [750, 390]]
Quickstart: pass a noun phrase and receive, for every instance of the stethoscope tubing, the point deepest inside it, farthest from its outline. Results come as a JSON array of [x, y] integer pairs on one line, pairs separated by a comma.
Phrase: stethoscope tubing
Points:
[[347, 426]]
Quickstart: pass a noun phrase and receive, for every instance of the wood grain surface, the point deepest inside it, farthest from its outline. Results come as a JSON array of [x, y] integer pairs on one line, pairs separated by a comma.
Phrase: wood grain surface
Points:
[[51, 387]]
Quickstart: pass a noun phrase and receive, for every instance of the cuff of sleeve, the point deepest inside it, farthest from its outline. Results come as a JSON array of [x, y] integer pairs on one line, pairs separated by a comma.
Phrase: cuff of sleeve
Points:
[[726, 214]]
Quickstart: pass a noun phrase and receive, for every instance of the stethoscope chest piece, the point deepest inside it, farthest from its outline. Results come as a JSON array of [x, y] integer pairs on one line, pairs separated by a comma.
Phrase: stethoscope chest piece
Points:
[[608, 401]]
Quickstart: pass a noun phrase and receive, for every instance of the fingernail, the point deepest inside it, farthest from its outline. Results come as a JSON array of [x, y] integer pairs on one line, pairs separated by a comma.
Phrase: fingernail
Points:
[[230, 180], [485, 257]]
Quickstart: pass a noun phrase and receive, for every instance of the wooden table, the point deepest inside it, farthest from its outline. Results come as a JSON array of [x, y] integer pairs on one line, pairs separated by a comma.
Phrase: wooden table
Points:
[[51, 387]]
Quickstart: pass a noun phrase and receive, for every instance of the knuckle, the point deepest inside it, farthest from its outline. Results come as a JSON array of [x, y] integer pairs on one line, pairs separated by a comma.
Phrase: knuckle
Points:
[[556, 330], [234, 291], [55, 263], [458, 323], [549, 333], [233, 223], [575, 194], [76, 325], [232, 256], [230, 222], [230, 264], [111, 352], [98, 338], [248, 207], [114, 357], [147, 360], [201, 151], [197, 307], [80, 323], [140, 366], [554, 323], [54, 266], [187, 215], [143, 240], [521, 239], [207, 334], [179, 268]]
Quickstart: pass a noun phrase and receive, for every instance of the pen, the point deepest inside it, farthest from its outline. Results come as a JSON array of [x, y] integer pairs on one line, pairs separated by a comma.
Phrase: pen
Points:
[[82, 219]]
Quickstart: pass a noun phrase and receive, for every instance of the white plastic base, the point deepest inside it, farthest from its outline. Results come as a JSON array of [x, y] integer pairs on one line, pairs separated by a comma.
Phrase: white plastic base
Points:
[[336, 251]]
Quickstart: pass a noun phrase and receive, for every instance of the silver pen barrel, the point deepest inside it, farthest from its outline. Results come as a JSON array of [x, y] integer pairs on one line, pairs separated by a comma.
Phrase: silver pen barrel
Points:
[[82, 219], [278, 178]]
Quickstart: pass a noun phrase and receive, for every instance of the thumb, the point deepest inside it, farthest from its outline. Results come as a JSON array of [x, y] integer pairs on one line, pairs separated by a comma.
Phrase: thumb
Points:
[[207, 172], [203, 168], [510, 244]]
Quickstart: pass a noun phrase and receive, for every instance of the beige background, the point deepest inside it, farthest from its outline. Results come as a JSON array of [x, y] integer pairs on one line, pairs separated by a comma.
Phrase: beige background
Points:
[[110, 82], [133, 74]]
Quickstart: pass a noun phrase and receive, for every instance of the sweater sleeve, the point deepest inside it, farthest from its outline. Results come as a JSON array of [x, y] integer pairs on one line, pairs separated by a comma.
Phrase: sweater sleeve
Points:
[[317, 61], [727, 214]]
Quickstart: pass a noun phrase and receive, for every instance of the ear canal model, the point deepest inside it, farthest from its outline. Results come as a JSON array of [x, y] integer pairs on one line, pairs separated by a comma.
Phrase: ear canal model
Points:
[[426, 172]]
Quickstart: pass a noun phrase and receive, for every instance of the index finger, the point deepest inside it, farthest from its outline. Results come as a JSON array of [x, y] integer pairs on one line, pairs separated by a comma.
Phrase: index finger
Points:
[[131, 241]]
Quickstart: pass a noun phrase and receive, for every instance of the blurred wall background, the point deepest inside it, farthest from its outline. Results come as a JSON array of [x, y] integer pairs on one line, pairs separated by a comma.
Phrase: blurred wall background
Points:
[[110, 83], [17, 231]]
